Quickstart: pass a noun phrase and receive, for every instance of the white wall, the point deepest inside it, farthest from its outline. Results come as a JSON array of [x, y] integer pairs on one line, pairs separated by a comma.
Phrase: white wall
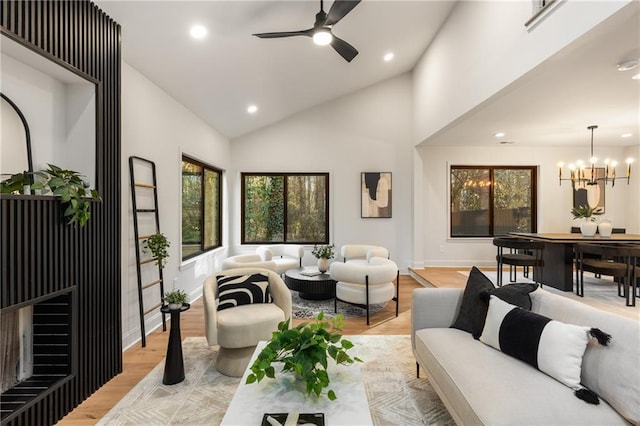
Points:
[[367, 131], [157, 128], [554, 201], [60, 116], [484, 46]]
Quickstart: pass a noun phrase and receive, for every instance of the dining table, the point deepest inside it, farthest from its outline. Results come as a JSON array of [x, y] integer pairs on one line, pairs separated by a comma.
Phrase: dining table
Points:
[[557, 269]]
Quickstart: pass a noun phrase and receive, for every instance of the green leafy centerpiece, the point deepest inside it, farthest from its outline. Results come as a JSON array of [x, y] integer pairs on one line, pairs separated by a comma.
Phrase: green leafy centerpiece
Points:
[[588, 227], [586, 212], [323, 254], [305, 350]]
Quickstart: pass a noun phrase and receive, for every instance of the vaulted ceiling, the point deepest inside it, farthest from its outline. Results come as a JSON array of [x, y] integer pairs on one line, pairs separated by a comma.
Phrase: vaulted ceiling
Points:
[[219, 76]]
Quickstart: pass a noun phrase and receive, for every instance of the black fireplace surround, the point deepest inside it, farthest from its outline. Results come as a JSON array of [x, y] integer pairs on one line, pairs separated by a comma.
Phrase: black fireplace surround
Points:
[[44, 260]]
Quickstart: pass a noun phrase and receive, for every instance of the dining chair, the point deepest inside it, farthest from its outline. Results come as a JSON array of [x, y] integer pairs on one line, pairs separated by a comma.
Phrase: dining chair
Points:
[[519, 252], [620, 261]]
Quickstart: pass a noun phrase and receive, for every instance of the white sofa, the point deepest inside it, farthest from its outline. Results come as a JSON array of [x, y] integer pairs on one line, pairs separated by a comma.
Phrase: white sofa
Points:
[[481, 385], [285, 256]]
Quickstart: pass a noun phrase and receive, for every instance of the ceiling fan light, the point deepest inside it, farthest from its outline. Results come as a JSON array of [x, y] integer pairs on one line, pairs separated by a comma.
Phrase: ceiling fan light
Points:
[[322, 37]]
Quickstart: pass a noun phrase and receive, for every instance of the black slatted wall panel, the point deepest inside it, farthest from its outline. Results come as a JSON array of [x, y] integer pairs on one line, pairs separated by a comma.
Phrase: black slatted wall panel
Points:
[[40, 253]]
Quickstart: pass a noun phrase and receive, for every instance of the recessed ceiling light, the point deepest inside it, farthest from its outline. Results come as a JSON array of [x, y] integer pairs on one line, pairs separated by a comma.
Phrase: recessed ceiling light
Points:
[[198, 32], [388, 56], [627, 65], [252, 109], [499, 134], [636, 77], [626, 135]]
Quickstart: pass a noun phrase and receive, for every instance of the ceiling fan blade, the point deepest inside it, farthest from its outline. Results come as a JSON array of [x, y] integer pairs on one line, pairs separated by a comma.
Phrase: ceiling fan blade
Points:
[[339, 10], [347, 51], [307, 33]]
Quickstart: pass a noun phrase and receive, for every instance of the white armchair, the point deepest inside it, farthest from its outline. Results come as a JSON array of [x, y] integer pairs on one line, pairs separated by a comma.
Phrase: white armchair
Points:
[[365, 284], [285, 256], [247, 261], [238, 329], [362, 253]]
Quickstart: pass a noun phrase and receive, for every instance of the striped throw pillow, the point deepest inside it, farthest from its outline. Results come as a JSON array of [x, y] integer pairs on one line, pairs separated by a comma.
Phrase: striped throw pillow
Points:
[[236, 290]]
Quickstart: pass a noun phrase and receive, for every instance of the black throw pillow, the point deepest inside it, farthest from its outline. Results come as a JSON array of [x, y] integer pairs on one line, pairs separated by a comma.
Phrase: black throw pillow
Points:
[[515, 294], [473, 310]]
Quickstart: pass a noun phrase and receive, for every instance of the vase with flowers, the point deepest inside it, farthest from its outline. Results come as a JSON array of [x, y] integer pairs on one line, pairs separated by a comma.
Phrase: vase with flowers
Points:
[[588, 227], [323, 253]]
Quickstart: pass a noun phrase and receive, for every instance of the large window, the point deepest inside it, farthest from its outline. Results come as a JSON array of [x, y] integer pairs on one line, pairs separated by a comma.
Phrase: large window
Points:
[[285, 208], [487, 201], [201, 207]]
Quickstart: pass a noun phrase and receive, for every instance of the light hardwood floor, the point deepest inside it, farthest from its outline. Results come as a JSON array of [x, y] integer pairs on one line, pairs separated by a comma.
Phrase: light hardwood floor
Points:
[[138, 361]]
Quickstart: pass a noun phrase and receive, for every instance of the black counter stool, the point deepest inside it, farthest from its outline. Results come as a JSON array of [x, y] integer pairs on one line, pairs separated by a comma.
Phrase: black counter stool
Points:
[[519, 252]]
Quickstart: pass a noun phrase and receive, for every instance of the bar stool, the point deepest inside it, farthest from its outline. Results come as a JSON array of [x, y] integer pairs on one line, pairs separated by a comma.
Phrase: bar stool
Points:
[[520, 252]]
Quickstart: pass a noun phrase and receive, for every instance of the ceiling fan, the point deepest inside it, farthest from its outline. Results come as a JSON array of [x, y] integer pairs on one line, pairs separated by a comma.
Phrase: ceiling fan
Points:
[[321, 31]]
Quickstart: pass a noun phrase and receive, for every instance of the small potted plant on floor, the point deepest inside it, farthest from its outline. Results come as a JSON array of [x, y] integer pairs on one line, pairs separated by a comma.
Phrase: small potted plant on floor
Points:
[[304, 351], [323, 254], [176, 299], [588, 227]]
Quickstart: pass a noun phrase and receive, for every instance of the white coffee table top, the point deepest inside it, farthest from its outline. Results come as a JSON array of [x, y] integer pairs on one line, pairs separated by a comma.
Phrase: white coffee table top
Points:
[[285, 394]]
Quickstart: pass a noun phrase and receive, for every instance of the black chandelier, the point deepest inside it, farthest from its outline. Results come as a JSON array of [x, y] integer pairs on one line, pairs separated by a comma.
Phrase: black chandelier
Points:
[[582, 174]]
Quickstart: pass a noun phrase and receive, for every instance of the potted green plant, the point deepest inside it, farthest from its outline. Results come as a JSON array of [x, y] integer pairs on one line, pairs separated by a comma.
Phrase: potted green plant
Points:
[[588, 227], [73, 190], [323, 254], [19, 183], [176, 299], [158, 245], [305, 350]]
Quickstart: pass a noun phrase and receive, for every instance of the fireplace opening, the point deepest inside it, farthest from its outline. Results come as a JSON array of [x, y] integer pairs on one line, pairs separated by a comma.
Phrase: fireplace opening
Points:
[[36, 350]]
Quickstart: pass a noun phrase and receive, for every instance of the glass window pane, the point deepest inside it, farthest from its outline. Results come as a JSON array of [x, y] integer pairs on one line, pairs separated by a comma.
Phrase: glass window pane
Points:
[[512, 201], [264, 209], [470, 202], [306, 207], [211, 209], [191, 208]]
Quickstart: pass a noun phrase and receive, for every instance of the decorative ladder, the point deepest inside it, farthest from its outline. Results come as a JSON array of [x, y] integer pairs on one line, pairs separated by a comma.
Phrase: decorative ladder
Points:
[[139, 163]]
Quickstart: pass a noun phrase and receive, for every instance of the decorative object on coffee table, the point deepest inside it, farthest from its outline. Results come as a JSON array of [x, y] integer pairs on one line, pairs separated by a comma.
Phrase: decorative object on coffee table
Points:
[[323, 254], [305, 351]]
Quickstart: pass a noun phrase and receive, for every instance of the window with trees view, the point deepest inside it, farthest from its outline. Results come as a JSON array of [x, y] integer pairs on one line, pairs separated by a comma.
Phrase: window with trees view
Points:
[[285, 208], [201, 207], [487, 201]]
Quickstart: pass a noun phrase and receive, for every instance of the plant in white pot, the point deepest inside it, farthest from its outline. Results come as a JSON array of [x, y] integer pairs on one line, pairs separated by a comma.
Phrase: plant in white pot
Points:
[[305, 351], [588, 227], [176, 299], [323, 254]]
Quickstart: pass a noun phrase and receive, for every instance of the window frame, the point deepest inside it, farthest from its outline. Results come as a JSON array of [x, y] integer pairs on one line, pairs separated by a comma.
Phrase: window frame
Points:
[[492, 168], [219, 172], [285, 185]]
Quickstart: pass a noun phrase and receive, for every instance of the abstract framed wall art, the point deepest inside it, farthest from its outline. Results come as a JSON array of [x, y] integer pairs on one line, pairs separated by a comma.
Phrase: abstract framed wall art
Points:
[[375, 195], [591, 195]]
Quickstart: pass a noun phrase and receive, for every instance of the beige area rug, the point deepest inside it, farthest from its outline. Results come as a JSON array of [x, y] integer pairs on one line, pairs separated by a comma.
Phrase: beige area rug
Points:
[[599, 293], [396, 396]]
